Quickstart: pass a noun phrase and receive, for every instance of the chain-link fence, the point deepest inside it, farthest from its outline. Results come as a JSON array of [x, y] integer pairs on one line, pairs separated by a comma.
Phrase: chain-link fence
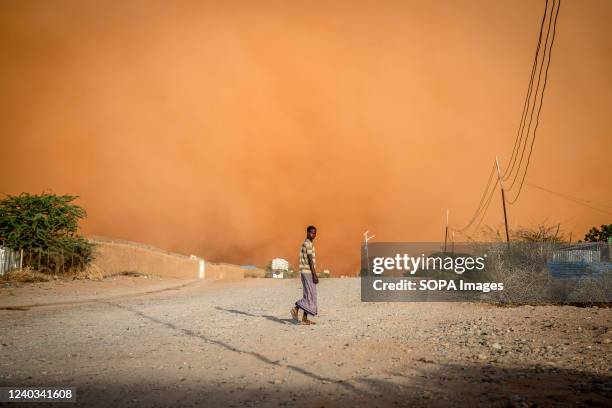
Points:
[[518, 272]]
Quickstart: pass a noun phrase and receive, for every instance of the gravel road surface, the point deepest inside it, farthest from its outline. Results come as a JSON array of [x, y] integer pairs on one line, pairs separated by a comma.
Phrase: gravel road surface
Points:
[[234, 344]]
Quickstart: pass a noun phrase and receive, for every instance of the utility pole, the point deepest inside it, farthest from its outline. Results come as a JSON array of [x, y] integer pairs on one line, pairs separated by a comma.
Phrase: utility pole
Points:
[[446, 231], [366, 239], [501, 184]]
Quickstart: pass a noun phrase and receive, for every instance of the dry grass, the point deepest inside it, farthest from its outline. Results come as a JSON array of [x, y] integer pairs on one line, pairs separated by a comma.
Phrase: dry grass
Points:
[[29, 275], [25, 275], [132, 274], [531, 283], [590, 290], [251, 274], [90, 272]]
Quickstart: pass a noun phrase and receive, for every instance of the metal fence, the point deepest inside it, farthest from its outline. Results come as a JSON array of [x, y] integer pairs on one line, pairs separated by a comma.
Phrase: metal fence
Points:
[[582, 260], [583, 253], [9, 260]]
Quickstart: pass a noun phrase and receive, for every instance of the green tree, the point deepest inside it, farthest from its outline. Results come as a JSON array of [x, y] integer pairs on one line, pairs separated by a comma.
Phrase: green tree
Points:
[[45, 227], [597, 235]]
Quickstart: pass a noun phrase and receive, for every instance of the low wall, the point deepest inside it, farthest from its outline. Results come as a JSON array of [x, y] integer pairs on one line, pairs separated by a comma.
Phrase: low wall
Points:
[[115, 256], [224, 271]]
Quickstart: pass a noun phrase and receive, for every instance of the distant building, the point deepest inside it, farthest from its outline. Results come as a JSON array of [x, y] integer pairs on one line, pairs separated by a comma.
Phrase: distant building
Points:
[[280, 266], [580, 260], [581, 253]]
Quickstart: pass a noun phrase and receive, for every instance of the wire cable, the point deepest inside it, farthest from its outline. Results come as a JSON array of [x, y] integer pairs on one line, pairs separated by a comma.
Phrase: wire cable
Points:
[[480, 204], [519, 134], [484, 209], [526, 141], [552, 42], [570, 198], [528, 110]]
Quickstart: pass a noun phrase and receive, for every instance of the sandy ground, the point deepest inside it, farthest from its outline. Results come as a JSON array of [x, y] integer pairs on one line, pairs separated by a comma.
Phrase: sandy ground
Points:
[[63, 292], [233, 344]]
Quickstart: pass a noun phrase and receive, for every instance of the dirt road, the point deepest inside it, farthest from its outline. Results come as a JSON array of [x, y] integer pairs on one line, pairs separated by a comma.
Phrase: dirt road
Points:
[[233, 344]]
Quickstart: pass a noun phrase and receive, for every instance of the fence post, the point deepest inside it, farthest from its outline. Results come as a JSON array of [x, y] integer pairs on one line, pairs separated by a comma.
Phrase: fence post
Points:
[[202, 273]]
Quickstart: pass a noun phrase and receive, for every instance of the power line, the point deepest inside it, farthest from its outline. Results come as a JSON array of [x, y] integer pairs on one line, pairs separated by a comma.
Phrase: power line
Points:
[[482, 199], [552, 42], [519, 134], [570, 198], [485, 207], [484, 204], [547, 50], [523, 143]]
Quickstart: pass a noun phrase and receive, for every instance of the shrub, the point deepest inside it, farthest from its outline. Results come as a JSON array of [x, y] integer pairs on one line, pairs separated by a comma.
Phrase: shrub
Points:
[[541, 232], [522, 269], [45, 227], [597, 235]]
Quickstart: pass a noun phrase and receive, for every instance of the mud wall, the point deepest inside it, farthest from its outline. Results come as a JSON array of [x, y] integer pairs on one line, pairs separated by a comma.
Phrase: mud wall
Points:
[[116, 256]]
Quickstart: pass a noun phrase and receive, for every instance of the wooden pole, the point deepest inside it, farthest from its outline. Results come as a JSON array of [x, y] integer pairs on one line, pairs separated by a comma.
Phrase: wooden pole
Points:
[[501, 184], [446, 231]]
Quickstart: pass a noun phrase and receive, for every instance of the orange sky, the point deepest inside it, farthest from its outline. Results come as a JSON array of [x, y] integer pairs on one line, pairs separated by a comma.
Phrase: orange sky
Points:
[[224, 129]]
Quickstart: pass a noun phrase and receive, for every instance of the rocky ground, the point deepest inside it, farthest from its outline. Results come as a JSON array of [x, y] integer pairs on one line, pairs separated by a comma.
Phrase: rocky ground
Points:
[[233, 344]]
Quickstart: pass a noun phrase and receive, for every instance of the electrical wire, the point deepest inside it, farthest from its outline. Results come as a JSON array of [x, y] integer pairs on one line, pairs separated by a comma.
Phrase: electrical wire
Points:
[[486, 208], [535, 100], [519, 134], [570, 198], [552, 42], [528, 110], [480, 206]]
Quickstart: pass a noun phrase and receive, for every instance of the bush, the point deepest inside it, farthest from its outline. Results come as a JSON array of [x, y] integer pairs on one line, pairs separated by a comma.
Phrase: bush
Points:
[[541, 232], [45, 227], [599, 235], [522, 268]]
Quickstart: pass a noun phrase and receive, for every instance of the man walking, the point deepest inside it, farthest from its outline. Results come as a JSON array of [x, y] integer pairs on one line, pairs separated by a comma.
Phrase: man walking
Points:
[[308, 274]]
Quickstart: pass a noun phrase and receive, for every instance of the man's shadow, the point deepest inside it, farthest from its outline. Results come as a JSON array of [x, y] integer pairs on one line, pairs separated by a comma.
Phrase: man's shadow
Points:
[[271, 318], [227, 346]]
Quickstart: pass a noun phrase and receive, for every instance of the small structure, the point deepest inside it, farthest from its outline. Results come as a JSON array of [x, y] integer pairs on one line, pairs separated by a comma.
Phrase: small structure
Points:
[[280, 266], [581, 253], [580, 260]]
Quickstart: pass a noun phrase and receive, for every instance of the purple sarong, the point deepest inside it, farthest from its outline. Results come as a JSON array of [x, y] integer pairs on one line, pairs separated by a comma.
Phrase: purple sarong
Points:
[[308, 302]]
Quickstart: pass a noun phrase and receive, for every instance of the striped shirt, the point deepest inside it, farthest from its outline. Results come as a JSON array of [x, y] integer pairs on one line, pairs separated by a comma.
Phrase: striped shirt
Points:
[[306, 249]]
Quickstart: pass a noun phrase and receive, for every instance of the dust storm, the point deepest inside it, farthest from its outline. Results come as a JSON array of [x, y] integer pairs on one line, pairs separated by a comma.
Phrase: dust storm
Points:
[[224, 129]]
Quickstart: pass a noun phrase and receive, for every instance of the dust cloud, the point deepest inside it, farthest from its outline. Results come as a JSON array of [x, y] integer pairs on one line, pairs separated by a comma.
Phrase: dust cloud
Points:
[[223, 129]]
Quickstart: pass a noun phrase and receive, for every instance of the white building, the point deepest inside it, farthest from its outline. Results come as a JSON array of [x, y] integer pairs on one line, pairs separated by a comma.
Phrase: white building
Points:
[[279, 267], [280, 264]]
